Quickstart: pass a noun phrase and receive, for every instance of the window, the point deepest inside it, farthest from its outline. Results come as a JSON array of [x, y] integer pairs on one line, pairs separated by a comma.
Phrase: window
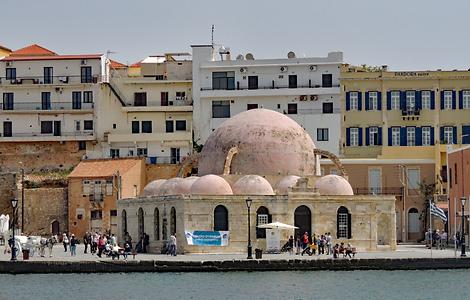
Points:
[[48, 75], [88, 97], [374, 136], [163, 99], [292, 81], [262, 217], [140, 99], [426, 99], [327, 107], [410, 100], [354, 136], [426, 136], [373, 101], [46, 100], [96, 214], [180, 125], [156, 222], [81, 145], [175, 155], [10, 73], [466, 99], [169, 126], [77, 125], [223, 80], [395, 99], [180, 96], [7, 129], [353, 100], [141, 151], [292, 108], [146, 126], [327, 80], [88, 124], [447, 99], [395, 136], [455, 174], [85, 75], [124, 222], [413, 177], [220, 218], [322, 134], [113, 213], [410, 136], [76, 100], [114, 153], [414, 221], [173, 221], [221, 109], [252, 82], [8, 101], [135, 127], [46, 127], [448, 135], [343, 223], [86, 187], [251, 106]]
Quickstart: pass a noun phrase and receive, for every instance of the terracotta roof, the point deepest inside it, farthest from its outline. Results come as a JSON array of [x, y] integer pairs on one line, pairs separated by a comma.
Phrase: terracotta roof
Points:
[[33, 50], [5, 48], [95, 168], [57, 57], [136, 65], [117, 65]]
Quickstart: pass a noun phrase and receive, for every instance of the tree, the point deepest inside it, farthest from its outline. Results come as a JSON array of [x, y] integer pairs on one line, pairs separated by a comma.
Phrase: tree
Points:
[[426, 191]]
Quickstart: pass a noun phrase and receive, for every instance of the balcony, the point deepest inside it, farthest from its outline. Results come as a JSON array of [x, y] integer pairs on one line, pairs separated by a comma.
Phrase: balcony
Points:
[[316, 111], [52, 80], [52, 107], [395, 191], [178, 136], [272, 90], [176, 104], [174, 160], [410, 113], [43, 137]]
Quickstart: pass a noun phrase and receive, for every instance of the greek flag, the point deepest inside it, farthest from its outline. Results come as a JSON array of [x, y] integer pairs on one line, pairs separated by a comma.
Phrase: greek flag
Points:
[[438, 212]]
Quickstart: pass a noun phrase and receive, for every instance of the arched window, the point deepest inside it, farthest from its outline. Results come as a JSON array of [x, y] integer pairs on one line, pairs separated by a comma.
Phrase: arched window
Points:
[[262, 217], [140, 221], [413, 221], [55, 227], [173, 221], [123, 223], [220, 218], [343, 223], [303, 220], [156, 222]]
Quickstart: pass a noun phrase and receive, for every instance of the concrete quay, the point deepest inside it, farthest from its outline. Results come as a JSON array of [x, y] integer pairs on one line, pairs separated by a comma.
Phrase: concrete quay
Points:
[[407, 257]]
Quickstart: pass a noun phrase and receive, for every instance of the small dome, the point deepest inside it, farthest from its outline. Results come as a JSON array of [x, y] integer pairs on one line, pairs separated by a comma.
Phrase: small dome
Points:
[[282, 187], [333, 185], [252, 185], [187, 183], [152, 188], [211, 185], [172, 186]]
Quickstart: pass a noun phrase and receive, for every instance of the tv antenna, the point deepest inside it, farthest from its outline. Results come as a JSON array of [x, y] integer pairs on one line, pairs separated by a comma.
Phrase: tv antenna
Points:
[[212, 35]]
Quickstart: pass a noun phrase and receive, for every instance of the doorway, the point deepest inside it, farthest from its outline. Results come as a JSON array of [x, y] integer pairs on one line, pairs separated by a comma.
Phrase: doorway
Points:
[[303, 220]]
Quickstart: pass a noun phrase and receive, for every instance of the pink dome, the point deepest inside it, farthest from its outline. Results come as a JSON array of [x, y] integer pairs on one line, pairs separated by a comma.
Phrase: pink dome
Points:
[[252, 185], [151, 189], [282, 187], [333, 185], [269, 143], [211, 185], [172, 186], [187, 183]]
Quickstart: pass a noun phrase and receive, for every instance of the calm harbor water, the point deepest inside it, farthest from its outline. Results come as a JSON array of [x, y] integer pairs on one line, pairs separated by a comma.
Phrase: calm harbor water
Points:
[[441, 284]]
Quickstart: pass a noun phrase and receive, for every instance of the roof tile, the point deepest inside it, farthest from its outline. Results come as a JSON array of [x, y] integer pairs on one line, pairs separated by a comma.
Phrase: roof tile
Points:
[[95, 168], [33, 50]]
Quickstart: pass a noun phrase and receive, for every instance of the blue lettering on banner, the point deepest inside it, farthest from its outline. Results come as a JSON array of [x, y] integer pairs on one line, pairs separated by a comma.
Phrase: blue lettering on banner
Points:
[[207, 238]]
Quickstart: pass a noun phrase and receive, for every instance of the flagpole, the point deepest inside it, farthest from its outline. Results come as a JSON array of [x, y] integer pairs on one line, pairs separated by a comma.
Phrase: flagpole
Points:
[[430, 224]]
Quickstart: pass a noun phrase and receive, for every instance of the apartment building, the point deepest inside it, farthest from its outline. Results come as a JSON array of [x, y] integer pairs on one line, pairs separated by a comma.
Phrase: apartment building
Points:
[[4, 51], [48, 105], [146, 110], [305, 89]]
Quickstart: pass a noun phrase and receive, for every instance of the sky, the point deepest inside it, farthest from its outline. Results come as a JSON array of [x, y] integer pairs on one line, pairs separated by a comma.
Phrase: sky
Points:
[[403, 34]]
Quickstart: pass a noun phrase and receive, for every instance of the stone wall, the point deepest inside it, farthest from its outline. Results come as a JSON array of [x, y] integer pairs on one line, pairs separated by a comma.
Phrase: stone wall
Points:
[[7, 192], [161, 171]]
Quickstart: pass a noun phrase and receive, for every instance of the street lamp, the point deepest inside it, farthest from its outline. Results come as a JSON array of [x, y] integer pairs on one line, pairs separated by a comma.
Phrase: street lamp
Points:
[[14, 203], [249, 248], [462, 236]]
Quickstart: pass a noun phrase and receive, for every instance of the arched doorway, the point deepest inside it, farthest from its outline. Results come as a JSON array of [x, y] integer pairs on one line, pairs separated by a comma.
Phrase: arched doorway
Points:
[[156, 222], [343, 223], [303, 220], [123, 223], [172, 220], [140, 222], [262, 217], [220, 218], [413, 224], [55, 228]]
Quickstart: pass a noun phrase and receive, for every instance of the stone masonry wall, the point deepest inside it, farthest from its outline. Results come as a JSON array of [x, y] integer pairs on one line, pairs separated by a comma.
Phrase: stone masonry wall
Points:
[[7, 191], [161, 171]]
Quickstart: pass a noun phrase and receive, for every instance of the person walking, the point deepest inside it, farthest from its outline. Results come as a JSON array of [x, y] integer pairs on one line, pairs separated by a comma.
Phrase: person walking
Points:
[[101, 245], [85, 242], [65, 241], [73, 245], [94, 245], [328, 243], [50, 245], [173, 244]]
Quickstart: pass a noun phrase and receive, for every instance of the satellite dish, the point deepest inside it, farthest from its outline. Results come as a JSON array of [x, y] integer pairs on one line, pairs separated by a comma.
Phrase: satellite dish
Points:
[[222, 50], [249, 56], [240, 57], [291, 54]]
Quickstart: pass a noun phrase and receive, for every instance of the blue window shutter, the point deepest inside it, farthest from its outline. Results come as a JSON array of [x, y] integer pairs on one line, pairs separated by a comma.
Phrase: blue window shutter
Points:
[[433, 101], [460, 99], [379, 100], [418, 100], [454, 100], [432, 136], [454, 135], [402, 136], [348, 101], [389, 100], [465, 134], [390, 136], [442, 99], [359, 101], [367, 136], [348, 137], [402, 100], [419, 137], [366, 101], [380, 136], [359, 130], [441, 135]]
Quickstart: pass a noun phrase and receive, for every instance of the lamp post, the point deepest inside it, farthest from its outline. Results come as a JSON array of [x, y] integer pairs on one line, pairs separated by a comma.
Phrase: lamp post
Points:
[[14, 203], [462, 236], [249, 248], [22, 200]]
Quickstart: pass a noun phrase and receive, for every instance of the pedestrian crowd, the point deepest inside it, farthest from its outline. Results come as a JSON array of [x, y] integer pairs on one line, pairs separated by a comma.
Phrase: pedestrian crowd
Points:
[[319, 245], [438, 239]]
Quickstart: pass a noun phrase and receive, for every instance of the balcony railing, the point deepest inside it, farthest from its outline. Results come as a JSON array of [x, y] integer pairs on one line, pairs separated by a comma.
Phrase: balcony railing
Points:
[[38, 134], [316, 111], [273, 87], [173, 102], [46, 106], [396, 191], [66, 79], [165, 159], [410, 111]]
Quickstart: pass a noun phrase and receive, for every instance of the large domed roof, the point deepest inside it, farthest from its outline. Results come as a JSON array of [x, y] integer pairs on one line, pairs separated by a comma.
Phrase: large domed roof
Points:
[[333, 185], [211, 185], [269, 143], [172, 186], [187, 183], [252, 185], [151, 189], [282, 187]]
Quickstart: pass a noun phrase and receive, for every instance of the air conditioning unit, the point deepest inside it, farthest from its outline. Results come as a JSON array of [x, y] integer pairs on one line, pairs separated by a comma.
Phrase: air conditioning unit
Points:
[[64, 79], [312, 68], [83, 62], [9, 63], [283, 69], [303, 98], [313, 97], [243, 70]]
